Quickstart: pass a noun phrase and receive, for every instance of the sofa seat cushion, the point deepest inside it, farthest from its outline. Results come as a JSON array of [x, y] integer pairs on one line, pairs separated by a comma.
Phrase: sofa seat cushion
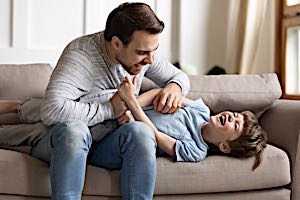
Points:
[[24, 175]]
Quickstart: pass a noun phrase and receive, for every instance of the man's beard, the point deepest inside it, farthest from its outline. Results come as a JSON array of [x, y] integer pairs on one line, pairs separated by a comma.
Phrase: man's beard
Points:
[[124, 66]]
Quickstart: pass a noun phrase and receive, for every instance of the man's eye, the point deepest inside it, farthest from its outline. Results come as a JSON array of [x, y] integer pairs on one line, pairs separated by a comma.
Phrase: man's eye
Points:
[[141, 53]]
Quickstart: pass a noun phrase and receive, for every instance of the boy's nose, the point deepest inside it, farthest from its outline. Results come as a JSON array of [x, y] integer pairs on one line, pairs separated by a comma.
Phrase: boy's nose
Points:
[[230, 117]]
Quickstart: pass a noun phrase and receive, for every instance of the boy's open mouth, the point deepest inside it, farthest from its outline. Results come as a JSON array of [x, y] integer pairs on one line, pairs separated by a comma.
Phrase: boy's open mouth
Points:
[[222, 119]]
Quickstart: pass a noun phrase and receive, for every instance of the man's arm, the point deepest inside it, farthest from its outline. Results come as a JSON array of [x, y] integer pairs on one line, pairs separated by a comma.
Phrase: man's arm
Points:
[[174, 82], [70, 81], [126, 91]]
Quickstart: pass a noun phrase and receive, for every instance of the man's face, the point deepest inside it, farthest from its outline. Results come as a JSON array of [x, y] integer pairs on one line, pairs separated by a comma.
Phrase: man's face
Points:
[[227, 126], [138, 52]]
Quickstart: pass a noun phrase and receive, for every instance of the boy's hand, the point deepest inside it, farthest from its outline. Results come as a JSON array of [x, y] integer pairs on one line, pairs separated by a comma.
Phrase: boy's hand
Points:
[[127, 88], [169, 99]]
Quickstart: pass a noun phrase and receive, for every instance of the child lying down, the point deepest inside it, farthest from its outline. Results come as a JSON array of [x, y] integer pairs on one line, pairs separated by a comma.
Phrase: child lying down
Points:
[[187, 135]]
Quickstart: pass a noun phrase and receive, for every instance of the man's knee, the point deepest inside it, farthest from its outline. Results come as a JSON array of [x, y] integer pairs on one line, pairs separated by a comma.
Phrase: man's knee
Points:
[[73, 132], [139, 138], [140, 131]]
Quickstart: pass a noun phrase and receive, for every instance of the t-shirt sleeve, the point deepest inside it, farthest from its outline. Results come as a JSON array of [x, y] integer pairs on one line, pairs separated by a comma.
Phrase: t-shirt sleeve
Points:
[[200, 108], [188, 151]]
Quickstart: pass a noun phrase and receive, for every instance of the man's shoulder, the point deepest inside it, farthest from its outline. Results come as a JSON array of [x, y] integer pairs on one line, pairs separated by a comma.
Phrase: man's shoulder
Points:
[[85, 43]]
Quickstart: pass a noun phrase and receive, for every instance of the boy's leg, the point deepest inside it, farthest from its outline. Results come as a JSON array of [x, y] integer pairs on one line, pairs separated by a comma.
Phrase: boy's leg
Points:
[[65, 146], [130, 148], [7, 106]]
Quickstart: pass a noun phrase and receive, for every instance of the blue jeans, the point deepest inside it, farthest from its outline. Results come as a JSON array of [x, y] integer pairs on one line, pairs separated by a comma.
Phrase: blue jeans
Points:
[[67, 147]]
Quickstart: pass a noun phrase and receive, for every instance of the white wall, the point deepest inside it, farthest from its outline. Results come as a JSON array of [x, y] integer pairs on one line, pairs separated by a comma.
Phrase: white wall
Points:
[[37, 31], [203, 34], [195, 33], [204, 29]]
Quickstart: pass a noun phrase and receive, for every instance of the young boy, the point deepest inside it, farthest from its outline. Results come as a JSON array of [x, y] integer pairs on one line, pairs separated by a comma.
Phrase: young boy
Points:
[[191, 131], [185, 134]]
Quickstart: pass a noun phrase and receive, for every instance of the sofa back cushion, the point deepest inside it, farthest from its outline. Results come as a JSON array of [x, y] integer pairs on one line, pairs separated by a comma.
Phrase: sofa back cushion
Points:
[[23, 81], [219, 92], [236, 92], [232, 92]]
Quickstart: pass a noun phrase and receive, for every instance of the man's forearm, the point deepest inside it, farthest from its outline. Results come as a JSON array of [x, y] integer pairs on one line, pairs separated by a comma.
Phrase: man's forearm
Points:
[[146, 99]]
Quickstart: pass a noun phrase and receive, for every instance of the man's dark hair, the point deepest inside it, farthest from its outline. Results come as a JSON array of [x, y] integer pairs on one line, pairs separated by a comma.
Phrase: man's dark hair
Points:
[[130, 17]]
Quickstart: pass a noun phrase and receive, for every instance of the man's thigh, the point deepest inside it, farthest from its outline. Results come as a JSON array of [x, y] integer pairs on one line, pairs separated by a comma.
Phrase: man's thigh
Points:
[[109, 152], [106, 152]]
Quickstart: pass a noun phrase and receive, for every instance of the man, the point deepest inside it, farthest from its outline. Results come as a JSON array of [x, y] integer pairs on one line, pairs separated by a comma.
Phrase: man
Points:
[[82, 95]]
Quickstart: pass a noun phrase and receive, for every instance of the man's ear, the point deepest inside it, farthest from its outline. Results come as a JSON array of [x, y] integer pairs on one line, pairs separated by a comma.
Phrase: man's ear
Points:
[[224, 147], [116, 42]]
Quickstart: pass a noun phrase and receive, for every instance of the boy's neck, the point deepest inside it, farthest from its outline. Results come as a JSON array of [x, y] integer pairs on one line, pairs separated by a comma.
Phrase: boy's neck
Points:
[[205, 132]]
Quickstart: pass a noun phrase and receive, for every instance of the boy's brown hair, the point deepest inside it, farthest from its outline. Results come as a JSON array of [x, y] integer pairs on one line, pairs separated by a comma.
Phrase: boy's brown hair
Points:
[[251, 142]]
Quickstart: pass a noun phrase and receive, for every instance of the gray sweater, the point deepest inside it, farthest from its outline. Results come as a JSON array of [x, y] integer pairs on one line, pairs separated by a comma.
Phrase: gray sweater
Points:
[[83, 82]]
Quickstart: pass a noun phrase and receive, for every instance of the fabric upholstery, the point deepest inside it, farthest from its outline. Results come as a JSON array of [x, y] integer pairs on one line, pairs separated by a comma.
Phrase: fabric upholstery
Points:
[[24, 177], [236, 92], [18, 82], [282, 122], [273, 194], [232, 92], [214, 174]]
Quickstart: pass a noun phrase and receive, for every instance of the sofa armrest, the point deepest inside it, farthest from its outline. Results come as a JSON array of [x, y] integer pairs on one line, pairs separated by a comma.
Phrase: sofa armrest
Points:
[[282, 123]]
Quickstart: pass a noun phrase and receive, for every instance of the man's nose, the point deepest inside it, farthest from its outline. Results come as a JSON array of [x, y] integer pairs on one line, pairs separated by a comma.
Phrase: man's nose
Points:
[[149, 58]]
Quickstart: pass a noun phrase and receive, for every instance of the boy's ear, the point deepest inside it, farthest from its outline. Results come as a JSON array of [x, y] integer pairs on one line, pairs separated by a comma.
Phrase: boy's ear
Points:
[[224, 147]]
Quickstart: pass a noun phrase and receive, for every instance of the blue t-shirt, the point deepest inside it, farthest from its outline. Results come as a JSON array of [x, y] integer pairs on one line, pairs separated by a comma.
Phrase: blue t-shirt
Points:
[[185, 126]]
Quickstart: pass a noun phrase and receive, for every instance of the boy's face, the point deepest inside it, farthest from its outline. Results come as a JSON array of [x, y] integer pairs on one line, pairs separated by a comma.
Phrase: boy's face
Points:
[[138, 52], [227, 126]]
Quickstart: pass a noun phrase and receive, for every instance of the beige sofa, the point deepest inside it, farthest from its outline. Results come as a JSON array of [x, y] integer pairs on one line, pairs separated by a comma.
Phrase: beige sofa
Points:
[[217, 177]]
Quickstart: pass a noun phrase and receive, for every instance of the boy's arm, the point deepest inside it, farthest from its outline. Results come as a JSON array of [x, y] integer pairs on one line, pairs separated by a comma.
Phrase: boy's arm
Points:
[[165, 142], [146, 99]]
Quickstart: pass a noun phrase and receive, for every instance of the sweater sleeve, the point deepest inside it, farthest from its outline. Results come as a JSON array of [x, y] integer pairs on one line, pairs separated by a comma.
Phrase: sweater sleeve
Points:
[[71, 80], [162, 72]]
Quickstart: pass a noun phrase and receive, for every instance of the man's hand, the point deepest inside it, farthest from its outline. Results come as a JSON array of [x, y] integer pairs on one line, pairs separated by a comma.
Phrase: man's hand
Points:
[[169, 99], [118, 105], [126, 117]]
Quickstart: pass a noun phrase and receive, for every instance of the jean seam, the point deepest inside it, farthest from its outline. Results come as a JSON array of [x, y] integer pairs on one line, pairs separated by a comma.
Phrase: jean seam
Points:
[[131, 194]]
